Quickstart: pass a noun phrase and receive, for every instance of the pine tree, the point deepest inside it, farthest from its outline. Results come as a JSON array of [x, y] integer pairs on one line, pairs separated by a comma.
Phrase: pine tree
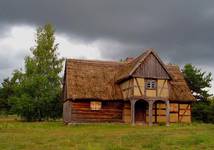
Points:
[[198, 81]]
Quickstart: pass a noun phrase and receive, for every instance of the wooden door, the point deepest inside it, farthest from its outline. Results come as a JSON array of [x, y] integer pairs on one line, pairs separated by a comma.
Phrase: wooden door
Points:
[[140, 112]]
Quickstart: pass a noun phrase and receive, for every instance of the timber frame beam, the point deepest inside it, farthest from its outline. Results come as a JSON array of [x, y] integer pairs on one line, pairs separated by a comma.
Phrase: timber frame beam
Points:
[[133, 111], [150, 111]]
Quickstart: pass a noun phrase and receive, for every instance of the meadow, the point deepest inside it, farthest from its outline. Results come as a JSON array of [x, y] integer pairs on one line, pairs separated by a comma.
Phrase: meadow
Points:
[[54, 135]]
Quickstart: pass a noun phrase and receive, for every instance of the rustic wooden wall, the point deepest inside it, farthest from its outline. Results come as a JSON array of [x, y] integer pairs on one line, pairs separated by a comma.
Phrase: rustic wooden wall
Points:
[[127, 112], [111, 111], [179, 112]]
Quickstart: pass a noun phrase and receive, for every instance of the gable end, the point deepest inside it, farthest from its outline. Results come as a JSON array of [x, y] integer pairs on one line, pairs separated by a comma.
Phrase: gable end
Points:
[[151, 67]]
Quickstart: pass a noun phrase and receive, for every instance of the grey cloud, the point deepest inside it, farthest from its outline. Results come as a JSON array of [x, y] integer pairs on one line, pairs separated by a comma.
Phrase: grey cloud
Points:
[[181, 30], [12, 61], [9, 64]]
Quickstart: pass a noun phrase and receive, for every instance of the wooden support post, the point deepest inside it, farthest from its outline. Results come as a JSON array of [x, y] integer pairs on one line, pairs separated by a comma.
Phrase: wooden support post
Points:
[[150, 112], [167, 113], [156, 113], [133, 111]]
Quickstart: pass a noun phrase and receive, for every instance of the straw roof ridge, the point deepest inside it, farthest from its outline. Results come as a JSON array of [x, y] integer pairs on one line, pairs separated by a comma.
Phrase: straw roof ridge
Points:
[[179, 87], [95, 61]]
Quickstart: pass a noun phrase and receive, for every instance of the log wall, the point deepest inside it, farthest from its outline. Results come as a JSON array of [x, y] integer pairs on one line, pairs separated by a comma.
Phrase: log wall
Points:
[[120, 111], [111, 111]]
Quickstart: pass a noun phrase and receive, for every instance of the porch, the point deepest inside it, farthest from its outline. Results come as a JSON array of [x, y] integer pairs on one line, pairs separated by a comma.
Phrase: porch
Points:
[[145, 111]]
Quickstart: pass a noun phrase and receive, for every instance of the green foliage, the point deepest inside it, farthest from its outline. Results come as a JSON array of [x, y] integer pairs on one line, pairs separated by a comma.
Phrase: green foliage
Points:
[[198, 81], [6, 90], [37, 90], [203, 112]]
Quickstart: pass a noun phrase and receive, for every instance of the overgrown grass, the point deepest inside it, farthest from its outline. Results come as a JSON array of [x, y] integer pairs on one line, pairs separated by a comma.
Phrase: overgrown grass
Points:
[[16, 135]]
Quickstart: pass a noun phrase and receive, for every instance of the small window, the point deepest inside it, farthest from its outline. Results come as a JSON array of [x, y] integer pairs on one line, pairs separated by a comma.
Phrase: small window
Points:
[[95, 105], [150, 84]]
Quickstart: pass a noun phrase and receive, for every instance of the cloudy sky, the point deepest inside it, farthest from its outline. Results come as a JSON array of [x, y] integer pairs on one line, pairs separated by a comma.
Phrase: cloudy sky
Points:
[[181, 31]]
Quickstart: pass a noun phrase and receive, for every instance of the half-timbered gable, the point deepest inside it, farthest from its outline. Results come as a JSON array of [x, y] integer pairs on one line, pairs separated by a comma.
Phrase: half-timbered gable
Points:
[[141, 90], [148, 77]]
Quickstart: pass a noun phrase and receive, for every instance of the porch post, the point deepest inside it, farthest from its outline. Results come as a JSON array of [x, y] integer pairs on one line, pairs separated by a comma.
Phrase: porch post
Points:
[[167, 113], [150, 111], [133, 111]]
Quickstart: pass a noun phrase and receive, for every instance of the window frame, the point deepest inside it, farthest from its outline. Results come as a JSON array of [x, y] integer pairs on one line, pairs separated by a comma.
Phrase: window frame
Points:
[[152, 84]]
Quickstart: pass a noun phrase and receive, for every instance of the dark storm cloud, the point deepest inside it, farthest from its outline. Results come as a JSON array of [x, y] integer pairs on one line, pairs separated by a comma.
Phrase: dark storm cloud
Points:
[[179, 29]]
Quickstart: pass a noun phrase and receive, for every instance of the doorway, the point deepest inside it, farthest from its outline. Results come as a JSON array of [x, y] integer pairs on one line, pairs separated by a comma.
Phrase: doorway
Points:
[[140, 112]]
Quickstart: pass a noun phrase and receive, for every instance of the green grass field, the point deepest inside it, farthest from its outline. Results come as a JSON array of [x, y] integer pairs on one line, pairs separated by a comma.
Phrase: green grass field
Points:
[[16, 135]]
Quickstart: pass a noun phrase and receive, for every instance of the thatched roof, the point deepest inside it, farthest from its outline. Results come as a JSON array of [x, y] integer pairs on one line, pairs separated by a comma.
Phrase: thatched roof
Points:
[[92, 79], [179, 89], [88, 79]]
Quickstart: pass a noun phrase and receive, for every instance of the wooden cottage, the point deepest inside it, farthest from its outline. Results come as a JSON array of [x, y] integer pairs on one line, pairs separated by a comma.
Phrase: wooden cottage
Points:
[[141, 90]]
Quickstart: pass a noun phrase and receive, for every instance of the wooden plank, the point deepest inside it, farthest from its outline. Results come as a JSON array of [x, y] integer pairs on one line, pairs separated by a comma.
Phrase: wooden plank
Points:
[[111, 111], [127, 112], [151, 68]]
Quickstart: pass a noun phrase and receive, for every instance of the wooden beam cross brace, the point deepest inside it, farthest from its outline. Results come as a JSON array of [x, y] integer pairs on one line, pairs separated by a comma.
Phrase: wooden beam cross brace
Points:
[[162, 88], [138, 87], [183, 113]]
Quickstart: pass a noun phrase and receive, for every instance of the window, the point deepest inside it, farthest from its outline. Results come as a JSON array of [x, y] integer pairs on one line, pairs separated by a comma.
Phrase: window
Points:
[[95, 105], [151, 84]]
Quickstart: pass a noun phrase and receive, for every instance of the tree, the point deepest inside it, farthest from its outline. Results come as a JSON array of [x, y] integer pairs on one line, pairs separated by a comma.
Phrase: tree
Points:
[[38, 88], [6, 91], [198, 81]]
